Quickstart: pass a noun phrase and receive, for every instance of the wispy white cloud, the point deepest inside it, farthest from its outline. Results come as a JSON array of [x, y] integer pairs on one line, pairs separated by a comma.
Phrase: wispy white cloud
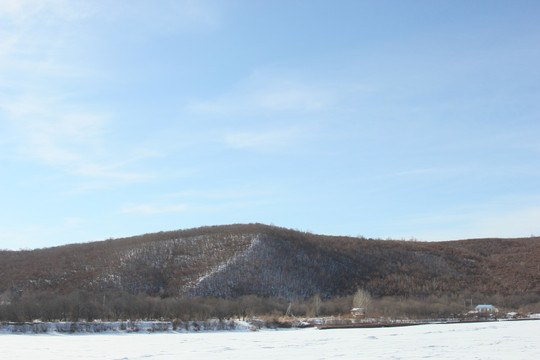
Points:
[[167, 16], [43, 37], [43, 124], [46, 121], [290, 96], [502, 217], [219, 200], [269, 111], [60, 230], [73, 221], [268, 141], [432, 171], [507, 224], [27, 23], [268, 91], [26, 11], [111, 172], [21, 238], [153, 209], [235, 193], [69, 138], [51, 132]]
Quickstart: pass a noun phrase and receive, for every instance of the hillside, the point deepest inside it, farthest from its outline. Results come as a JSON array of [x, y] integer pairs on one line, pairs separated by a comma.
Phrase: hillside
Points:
[[266, 261]]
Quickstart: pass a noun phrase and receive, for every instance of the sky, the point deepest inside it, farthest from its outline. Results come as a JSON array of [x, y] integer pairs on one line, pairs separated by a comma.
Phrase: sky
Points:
[[384, 119]]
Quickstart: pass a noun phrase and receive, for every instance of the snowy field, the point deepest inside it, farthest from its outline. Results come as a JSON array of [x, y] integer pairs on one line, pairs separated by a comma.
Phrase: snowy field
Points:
[[497, 340]]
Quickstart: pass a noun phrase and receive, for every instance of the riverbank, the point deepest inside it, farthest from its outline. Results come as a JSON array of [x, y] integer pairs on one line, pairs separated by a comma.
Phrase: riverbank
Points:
[[248, 324], [402, 323]]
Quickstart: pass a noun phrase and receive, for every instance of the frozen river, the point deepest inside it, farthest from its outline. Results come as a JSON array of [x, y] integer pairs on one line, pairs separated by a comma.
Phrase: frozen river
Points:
[[497, 340]]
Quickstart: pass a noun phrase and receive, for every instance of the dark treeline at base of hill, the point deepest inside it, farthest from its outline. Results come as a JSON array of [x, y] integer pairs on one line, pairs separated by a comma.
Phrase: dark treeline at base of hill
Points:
[[83, 306]]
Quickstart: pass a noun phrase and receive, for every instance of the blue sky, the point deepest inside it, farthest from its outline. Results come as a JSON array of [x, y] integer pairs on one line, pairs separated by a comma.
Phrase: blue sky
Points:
[[376, 118]]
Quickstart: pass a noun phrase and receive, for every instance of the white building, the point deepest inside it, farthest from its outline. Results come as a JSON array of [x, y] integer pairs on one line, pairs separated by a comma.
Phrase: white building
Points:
[[486, 308]]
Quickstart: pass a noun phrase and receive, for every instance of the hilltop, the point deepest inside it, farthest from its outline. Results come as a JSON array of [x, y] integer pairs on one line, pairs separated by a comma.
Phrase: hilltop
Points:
[[270, 262]]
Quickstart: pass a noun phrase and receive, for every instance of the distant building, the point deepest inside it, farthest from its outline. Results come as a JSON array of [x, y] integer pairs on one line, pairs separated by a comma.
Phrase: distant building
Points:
[[486, 308], [356, 312]]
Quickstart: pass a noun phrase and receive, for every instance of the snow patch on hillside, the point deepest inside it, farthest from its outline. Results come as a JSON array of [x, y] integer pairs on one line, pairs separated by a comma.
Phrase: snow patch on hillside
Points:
[[222, 266]]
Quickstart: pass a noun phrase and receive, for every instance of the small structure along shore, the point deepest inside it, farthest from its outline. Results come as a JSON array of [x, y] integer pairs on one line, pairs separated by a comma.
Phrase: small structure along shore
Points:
[[383, 324]]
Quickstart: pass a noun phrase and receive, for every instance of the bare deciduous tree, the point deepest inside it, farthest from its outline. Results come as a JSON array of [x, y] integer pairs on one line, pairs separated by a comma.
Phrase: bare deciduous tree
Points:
[[361, 299]]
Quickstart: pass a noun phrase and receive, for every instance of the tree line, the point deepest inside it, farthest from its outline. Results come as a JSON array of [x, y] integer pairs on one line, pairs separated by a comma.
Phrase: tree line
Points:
[[84, 306]]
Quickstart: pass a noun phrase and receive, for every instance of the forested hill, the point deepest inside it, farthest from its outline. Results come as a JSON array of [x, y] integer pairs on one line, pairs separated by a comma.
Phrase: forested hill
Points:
[[255, 259]]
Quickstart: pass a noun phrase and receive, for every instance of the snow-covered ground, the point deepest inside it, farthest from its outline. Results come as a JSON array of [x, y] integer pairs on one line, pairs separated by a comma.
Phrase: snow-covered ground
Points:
[[495, 340]]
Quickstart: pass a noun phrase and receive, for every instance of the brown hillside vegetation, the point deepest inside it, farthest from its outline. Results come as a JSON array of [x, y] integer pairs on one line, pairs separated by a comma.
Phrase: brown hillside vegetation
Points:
[[236, 261]]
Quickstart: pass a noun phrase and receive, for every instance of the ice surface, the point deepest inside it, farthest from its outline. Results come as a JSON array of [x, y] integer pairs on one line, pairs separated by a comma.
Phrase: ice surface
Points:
[[494, 340]]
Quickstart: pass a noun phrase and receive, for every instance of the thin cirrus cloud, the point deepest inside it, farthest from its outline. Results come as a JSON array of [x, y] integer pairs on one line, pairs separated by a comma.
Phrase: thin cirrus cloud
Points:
[[41, 120], [153, 209], [433, 171], [52, 133], [478, 224], [168, 13], [287, 99], [503, 216], [279, 104], [41, 38], [70, 139], [112, 172], [268, 90], [507, 224], [28, 31], [185, 15], [291, 98], [262, 140], [270, 134]]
